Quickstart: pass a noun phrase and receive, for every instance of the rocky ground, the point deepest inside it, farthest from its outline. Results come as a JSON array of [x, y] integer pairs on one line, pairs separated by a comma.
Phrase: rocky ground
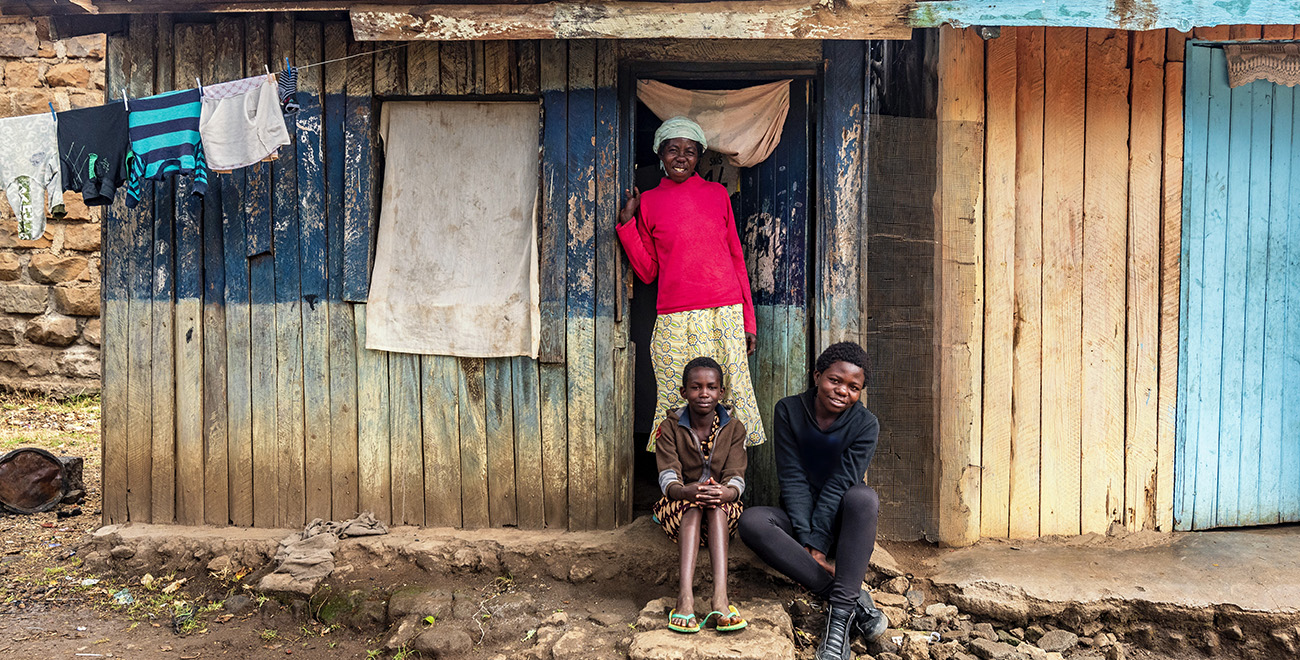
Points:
[[69, 589]]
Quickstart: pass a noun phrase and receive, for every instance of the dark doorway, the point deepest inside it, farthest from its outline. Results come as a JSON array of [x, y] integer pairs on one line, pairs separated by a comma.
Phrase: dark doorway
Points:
[[773, 211]]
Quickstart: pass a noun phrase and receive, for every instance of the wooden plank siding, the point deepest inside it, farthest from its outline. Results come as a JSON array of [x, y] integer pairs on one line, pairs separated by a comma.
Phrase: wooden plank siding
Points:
[[252, 399], [1080, 385]]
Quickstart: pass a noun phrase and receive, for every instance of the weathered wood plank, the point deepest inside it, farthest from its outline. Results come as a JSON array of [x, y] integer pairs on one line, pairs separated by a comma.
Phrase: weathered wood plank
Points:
[[960, 282], [1105, 210], [440, 401], [581, 273], [499, 424], [529, 493], [261, 274], [999, 283], [358, 169], [405, 439], [1100, 14], [720, 19], [314, 259], [722, 50], [1193, 213], [290, 429], [166, 449], [554, 227], [838, 306], [374, 480], [1289, 495], [1273, 480], [342, 331], [473, 444], [1143, 326], [477, 68], [1245, 32], [455, 66], [1063, 128], [1171, 240], [422, 68], [193, 48], [1211, 336], [608, 440], [141, 40], [390, 72], [1258, 194], [529, 71], [1027, 358], [115, 319], [216, 471], [498, 70], [555, 462], [1233, 290]]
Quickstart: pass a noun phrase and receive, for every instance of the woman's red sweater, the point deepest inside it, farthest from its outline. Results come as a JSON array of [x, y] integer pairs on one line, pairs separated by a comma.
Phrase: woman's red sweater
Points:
[[685, 236]]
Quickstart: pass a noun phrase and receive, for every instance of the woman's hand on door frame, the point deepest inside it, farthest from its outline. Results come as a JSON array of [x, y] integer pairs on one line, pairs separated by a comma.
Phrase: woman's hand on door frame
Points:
[[630, 206], [751, 343]]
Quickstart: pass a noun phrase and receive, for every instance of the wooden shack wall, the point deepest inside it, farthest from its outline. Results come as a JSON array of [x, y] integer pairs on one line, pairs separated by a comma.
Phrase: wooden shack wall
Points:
[[1072, 408], [237, 386]]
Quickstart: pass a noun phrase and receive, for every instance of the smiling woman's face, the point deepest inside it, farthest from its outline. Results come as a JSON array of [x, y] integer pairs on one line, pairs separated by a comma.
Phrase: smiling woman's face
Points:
[[679, 156]]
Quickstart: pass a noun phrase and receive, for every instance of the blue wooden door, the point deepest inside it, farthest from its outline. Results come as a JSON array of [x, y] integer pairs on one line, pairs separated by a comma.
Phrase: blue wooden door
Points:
[[1238, 439]]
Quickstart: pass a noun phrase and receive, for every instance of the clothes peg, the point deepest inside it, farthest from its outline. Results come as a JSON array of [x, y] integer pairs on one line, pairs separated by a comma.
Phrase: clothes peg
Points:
[[52, 113], [125, 104], [288, 67], [200, 84]]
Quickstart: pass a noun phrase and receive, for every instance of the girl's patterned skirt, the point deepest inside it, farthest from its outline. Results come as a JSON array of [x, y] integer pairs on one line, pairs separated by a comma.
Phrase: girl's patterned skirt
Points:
[[716, 332], [668, 513]]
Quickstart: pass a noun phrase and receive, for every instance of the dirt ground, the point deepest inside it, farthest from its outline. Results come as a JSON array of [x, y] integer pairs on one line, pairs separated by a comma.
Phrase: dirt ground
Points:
[[54, 605]]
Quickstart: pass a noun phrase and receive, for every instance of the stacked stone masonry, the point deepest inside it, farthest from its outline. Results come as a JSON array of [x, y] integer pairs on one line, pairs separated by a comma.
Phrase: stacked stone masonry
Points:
[[50, 287]]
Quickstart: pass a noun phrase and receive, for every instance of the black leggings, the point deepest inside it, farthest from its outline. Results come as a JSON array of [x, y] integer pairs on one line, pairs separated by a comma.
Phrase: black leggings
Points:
[[767, 531]]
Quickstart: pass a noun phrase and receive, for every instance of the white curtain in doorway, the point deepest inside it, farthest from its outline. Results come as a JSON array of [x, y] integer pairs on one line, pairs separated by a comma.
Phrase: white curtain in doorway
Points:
[[1276, 63], [744, 124]]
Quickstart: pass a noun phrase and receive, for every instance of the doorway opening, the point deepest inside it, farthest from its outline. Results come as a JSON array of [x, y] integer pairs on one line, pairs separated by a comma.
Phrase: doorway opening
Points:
[[773, 208]]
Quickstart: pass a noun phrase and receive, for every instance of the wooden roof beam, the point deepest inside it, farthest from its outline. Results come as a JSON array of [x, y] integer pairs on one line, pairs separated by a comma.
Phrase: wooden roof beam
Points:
[[611, 19]]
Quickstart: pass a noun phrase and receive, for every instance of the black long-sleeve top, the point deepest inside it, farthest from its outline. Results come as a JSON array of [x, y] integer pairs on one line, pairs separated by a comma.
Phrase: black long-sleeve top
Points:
[[815, 467]]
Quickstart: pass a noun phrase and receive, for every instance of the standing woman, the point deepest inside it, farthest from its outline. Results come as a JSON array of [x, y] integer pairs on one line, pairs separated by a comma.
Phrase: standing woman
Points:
[[683, 234]]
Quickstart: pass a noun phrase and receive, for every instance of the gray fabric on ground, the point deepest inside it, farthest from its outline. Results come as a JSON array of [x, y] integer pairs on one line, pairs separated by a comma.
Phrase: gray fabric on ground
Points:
[[307, 557]]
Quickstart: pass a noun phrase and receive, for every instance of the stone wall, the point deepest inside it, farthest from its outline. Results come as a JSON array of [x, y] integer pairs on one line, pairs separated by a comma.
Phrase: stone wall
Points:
[[49, 287]]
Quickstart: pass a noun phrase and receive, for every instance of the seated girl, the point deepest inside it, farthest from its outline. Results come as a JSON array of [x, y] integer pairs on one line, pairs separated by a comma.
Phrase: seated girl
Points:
[[700, 451], [825, 440]]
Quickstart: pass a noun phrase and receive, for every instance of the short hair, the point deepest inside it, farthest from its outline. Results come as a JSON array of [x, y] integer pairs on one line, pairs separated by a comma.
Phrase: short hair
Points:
[[701, 363], [845, 351]]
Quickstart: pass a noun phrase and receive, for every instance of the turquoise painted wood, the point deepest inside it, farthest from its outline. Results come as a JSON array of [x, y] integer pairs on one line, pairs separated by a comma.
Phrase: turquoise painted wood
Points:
[[1182, 14], [1238, 450]]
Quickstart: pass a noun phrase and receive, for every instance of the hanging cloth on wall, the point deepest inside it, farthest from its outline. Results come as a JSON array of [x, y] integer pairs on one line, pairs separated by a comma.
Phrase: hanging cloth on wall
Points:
[[164, 131], [29, 171], [1276, 63], [241, 123], [744, 124], [92, 149], [456, 268]]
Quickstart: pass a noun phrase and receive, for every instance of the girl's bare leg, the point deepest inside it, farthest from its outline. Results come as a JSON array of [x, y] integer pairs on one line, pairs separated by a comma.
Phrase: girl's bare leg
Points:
[[718, 540], [688, 539]]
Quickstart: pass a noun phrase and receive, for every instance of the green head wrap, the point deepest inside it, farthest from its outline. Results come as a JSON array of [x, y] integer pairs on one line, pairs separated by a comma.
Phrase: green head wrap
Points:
[[680, 127]]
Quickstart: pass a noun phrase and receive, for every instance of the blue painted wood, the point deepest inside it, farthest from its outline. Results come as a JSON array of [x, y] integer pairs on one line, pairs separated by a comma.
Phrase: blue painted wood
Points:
[[1274, 368], [837, 289], [1180, 14], [1195, 127], [610, 443], [1256, 258], [1212, 307], [1239, 426], [239, 402], [580, 269], [1233, 315], [1289, 492], [358, 207], [311, 198], [554, 220]]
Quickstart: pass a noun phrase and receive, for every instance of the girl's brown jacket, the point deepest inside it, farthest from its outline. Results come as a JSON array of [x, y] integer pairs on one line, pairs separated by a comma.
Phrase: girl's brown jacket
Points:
[[677, 452]]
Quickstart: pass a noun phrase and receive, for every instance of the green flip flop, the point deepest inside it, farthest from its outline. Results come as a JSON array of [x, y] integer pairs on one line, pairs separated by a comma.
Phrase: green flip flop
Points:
[[676, 621], [737, 622]]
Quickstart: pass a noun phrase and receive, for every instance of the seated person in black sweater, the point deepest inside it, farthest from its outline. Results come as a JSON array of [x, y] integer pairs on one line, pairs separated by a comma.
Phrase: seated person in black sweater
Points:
[[825, 439]]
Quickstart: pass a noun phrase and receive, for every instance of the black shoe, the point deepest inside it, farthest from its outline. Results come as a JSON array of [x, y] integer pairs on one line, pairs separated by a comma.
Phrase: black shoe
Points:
[[835, 643], [868, 621]]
